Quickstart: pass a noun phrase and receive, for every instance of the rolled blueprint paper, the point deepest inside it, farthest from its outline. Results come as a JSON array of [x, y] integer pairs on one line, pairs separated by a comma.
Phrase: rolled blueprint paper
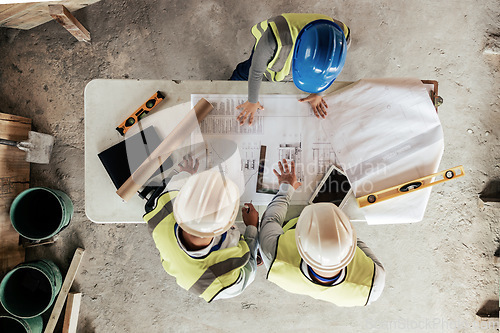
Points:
[[165, 149]]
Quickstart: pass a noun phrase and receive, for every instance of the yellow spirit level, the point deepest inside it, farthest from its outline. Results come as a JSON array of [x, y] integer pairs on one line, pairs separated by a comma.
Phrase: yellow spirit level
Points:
[[411, 186], [140, 112]]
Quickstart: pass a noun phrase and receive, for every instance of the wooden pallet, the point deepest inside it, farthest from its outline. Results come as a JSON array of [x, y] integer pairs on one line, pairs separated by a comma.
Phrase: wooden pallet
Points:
[[14, 178], [29, 15]]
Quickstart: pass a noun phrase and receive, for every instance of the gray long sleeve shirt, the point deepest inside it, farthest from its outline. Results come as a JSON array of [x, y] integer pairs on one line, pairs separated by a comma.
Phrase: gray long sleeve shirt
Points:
[[263, 54], [272, 228]]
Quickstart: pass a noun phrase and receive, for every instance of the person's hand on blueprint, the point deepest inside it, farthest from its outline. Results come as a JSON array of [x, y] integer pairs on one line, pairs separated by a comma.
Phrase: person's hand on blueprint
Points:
[[317, 103], [248, 111], [287, 175], [250, 215], [189, 165]]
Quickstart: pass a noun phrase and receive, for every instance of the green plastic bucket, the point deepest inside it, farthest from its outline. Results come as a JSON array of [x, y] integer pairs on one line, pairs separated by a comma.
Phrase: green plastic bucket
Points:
[[30, 288], [39, 213], [12, 324]]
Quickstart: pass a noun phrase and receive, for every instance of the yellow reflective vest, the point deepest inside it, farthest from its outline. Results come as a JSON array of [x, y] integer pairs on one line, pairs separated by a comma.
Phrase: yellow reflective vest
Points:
[[354, 290], [286, 28], [206, 276]]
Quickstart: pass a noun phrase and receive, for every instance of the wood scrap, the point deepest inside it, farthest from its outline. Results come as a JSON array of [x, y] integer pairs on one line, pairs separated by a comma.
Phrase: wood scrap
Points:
[[61, 298], [72, 311]]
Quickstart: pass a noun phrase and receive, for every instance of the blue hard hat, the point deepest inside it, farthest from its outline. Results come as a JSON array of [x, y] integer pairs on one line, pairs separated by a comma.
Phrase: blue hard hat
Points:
[[318, 56]]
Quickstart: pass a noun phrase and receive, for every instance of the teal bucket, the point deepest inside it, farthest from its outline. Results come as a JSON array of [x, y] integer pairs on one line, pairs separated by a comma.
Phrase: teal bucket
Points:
[[12, 324], [39, 213], [30, 288]]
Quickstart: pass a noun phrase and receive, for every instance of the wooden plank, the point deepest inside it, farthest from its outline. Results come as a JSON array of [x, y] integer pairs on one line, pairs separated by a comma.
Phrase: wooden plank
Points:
[[25, 21], [27, 16], [14, 178], [68, 281], [4, 8], [8, 11], [72, 311], [36, 14], [62, 15]]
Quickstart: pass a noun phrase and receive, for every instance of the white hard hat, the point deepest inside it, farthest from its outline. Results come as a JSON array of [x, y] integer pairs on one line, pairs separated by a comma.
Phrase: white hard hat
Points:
[[325, 238], [207, 204]]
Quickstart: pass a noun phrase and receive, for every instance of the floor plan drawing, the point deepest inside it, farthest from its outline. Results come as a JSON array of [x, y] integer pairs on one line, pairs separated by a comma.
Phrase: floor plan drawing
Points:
[[286, 128]]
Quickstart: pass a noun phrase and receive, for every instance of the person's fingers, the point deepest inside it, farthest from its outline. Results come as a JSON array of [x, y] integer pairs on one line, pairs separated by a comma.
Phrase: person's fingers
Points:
[[250, 119], [324, 103], [240, 106], [244, 118], [276, 173], [190, 159], [260, 106], [292, 170], [281, 167], [250, 205], [322, 110], [299, 184], [285, 165], [316, 112], [196, 165], [242, 113], [302, 99]]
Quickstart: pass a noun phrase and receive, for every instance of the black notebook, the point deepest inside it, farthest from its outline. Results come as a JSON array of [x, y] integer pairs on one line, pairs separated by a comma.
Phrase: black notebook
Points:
[[122, 159]]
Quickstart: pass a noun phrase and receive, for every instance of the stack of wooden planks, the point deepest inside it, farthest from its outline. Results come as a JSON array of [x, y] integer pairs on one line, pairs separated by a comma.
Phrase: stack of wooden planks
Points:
[[14, 178]]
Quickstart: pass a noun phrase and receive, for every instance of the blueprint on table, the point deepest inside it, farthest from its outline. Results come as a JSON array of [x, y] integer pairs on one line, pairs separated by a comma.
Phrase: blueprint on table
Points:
[[288, 129]]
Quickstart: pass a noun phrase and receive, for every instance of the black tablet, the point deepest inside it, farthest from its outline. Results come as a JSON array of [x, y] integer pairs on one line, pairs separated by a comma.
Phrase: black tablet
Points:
[[332, 188]]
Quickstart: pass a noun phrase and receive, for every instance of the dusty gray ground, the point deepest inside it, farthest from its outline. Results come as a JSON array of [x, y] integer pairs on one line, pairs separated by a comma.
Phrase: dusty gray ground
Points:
[[439, 271]]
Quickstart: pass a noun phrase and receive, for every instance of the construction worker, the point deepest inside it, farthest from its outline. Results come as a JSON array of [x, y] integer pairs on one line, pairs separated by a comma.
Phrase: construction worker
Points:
[[310, 47], [317, 254], [194, 232]]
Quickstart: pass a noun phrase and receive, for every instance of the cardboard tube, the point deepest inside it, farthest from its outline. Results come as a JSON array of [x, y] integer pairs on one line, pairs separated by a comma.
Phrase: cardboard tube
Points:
[[165, 149]]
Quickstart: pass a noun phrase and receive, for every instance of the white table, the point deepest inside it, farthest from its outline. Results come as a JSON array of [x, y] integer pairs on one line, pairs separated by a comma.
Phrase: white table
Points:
[[109, 102]]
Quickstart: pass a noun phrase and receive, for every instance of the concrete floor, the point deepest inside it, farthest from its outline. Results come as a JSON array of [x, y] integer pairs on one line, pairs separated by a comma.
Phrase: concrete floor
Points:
[[439, 271]]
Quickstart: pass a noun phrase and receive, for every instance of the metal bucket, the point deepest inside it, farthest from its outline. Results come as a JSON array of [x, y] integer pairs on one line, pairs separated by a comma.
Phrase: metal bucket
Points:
[[12, 324], [29, 289], [39, 213]]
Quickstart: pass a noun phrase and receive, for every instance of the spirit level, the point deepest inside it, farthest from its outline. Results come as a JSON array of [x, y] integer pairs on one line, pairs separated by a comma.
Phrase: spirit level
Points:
[[411, 186], [140, 112]]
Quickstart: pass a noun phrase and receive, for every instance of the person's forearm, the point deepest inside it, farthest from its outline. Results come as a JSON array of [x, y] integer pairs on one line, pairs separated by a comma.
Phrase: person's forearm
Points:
[[369, 253], [250, 236], [379, 273], [272, 221], [249, 270], [263, 54]]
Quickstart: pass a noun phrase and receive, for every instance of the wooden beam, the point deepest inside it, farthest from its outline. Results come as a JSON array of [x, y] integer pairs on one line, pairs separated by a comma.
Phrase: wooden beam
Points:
[[71, 314], [62, 15], [68, 281]]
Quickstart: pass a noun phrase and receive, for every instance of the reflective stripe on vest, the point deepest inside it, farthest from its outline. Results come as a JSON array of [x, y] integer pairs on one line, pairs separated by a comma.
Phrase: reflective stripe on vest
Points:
[[353, 291], [206, 276], [286, 28]]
